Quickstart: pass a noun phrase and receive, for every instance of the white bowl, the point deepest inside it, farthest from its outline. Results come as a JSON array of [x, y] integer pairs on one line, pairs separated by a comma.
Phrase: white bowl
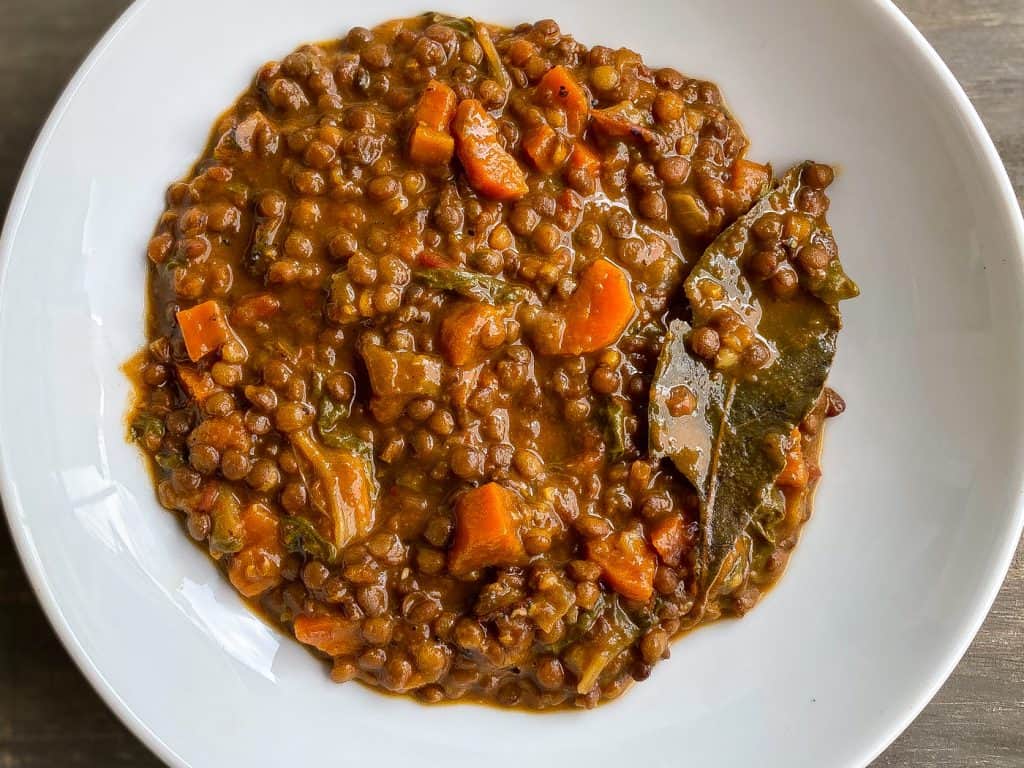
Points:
[[915, 521]]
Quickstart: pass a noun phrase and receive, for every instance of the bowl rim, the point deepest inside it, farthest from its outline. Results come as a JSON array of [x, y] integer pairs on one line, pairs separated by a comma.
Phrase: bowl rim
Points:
[[36, 571]]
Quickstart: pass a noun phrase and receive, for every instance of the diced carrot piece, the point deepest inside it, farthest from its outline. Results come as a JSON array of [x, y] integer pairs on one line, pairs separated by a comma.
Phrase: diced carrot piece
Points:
[[430, 147], [436, 107], [331, 634], [401, 373], [204, 328], [794, 474], [257, 567], [599, 310], [430, 142], [222, 432], [491, 170], [199, 386], [627, 563], [558, 88], [585, 159], [669, 537], [260, 526], [463, 339], [486, 532], [623, 120], [545, 147]]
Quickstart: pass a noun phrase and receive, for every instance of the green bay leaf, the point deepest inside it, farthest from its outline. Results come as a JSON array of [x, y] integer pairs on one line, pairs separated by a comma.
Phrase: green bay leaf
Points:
[[731, 446]]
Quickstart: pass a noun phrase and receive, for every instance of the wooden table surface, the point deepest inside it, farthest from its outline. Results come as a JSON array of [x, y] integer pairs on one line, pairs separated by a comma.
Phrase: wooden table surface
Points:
[[49, 716]]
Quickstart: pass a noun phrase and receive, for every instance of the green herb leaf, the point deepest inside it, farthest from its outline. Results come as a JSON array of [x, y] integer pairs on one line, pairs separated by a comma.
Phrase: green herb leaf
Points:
[[648, 617], [473, 285], [169, 460], [351, 443], [590, 658], [300, 536], [731, 447], [228, 534], [331, 418], [834, 287], [145, 424], [583, 624], [497, 69], [463, 26], [615, 429]]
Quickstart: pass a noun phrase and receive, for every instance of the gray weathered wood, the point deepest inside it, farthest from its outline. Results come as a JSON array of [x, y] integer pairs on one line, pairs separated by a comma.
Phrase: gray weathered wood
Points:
[[49, 716], [977, 719]]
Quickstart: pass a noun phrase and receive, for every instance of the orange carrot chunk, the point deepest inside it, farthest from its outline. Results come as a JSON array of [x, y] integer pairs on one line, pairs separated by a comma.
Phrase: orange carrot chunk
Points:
[[204, 328], [260, 527], [198, 385], [436, 107], [627, 563], [486, 532], [624, 120], [585, 159], [558, 88], [257, 567], [331, 634], [669, 538], [491, 170], [430, 147], [471, 330], [430, 142], [545, 148], [599, 310], [794, 474]]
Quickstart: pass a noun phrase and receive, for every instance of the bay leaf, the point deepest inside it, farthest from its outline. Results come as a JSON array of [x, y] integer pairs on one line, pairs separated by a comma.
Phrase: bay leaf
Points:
[[731, 444]]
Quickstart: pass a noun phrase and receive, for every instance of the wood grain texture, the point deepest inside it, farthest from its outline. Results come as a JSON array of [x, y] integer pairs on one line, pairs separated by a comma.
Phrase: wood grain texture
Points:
[[977, 719], [49, 716]]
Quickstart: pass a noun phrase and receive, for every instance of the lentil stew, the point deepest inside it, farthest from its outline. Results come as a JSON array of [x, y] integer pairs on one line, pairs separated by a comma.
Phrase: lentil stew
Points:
[[485, 363]]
